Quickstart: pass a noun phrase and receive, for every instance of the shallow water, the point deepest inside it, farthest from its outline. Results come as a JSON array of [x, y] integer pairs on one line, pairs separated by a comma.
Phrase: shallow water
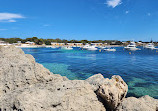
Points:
[[139, 69]]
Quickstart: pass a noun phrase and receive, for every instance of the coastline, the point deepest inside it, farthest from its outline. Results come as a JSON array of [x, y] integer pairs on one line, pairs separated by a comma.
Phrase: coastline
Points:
[[49, 46], [26, 79]]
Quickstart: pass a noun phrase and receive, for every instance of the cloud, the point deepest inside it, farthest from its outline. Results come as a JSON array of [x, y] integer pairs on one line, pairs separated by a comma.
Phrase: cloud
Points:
[[10, 17], [126, 12], [11, 20], [113, 3]]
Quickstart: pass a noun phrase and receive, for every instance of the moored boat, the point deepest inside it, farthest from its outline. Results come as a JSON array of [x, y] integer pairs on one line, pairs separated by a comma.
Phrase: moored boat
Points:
[[86, 46], [150, 46], [93, 47], [110, 49], [132, 47]]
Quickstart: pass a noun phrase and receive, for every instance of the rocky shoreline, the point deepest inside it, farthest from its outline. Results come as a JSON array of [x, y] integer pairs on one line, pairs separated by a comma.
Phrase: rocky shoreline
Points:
[[27, 86]]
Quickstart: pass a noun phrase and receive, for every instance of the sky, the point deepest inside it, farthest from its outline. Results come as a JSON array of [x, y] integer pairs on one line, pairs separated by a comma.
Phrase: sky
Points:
[[80, 19]]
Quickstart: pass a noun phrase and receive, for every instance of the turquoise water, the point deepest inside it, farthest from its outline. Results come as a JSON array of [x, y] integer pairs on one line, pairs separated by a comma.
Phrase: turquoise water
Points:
[[139, 69]]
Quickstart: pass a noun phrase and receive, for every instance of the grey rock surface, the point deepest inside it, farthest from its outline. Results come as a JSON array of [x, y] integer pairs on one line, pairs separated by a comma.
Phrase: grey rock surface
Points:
[[112, 91], [145, 103], [18, 69], [96, 81], [74, 95], [27, 86]]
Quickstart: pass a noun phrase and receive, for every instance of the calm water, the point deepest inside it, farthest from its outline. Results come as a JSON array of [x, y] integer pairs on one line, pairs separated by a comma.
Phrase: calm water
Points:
[[139, 69]]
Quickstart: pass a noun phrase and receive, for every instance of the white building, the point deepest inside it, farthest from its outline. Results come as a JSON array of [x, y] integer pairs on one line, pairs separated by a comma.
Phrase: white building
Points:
[[97, 44], [79, 44], [31, 43], [3, 43], [57, 44]]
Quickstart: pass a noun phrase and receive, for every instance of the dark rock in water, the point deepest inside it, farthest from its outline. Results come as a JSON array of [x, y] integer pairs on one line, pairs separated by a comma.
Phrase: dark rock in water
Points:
[[27, 86]]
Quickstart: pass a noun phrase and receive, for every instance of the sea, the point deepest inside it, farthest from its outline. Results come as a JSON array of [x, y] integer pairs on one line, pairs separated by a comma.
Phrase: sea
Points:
[[139, 69]]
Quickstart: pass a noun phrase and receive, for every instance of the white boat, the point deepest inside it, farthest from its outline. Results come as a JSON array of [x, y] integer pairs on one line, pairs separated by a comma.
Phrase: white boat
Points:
[[102, 47], [86, 46], [48, 46], [53, 47], [67, 48], [90, 47], [110, 49], [150, 46], [93, 47], [132, 47]]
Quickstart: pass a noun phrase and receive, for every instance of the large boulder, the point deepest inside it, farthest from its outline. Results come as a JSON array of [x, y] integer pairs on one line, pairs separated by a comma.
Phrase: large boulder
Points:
[[18, 69], [112, 91], [69, 95], [145, 103], [97, 80]]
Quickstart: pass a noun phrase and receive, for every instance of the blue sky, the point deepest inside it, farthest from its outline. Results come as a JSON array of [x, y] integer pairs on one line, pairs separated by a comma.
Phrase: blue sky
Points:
[[80, 19]]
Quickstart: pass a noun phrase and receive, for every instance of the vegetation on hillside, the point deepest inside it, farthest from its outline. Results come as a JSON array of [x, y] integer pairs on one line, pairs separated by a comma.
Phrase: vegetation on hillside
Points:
[[48, 41]]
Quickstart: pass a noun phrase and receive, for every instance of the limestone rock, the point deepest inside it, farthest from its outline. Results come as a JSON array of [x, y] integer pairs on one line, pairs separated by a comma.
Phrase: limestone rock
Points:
[[18, 69], [69, 95], [113, 91], [27, 86], [150, 102], [96, 81], [144, 103]]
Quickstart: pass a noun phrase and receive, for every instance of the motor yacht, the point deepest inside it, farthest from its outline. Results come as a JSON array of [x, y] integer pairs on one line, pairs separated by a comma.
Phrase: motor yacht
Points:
[[86, 46], [132, 47], [50, 47], [110, 49], [150, 46], [102, 47], [93, 47], [54, 47]]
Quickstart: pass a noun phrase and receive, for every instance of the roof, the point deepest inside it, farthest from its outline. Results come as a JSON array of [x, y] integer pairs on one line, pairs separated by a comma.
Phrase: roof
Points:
[[29, 42]]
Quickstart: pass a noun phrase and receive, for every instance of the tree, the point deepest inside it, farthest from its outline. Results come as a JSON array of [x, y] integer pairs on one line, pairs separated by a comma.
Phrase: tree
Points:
[[58, 40], [34, 38], [47, 42], [65, 41], [84, 41]]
